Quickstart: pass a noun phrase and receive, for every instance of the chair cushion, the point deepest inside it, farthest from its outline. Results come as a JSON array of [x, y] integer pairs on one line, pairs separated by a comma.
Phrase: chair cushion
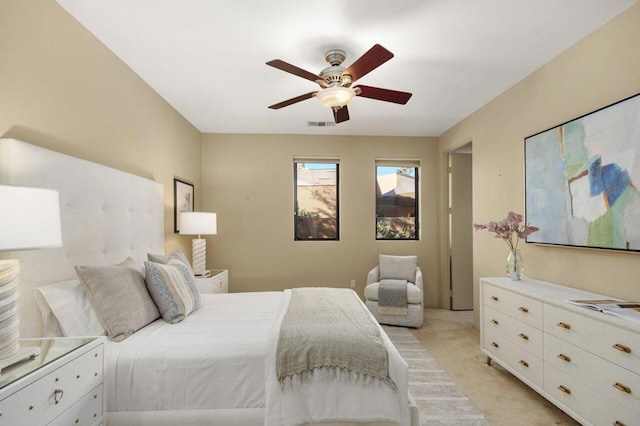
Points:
[[414, 294], [398, 267]]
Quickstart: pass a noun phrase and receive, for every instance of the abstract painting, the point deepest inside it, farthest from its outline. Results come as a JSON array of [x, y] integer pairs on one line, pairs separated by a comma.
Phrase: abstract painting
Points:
[[582, 177]]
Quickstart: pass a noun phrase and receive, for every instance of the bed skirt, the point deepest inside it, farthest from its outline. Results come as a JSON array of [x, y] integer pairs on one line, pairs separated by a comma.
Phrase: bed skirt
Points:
[[221, 417]]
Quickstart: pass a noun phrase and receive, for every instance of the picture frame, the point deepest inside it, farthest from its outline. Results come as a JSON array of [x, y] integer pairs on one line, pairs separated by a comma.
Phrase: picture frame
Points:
[[582, 180], [183, 201]]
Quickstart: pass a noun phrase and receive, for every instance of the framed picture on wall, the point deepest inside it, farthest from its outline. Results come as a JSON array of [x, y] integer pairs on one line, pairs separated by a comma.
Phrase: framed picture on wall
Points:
[[183, 201], [582, 180]]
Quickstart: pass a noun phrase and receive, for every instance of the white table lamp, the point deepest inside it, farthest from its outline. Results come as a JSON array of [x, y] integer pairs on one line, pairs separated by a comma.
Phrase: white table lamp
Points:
[[29, 219], [198, 223]]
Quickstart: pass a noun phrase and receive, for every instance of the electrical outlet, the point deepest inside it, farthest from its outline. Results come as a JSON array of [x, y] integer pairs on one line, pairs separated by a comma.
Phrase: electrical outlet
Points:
[[353, 283]]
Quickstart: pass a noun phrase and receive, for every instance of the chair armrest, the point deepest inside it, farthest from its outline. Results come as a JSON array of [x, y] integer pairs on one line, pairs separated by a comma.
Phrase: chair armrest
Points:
[[418, 282], [373, 275]]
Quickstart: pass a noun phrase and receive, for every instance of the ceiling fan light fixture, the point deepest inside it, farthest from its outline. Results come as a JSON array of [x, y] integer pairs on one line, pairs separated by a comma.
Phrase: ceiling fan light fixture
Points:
[[336, 96]]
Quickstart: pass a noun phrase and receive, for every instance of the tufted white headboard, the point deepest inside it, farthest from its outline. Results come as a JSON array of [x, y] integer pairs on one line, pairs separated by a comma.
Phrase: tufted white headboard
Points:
[[107, 215]]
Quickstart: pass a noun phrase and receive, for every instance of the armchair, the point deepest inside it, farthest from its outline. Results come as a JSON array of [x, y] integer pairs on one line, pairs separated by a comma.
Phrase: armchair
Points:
[[397, 267]]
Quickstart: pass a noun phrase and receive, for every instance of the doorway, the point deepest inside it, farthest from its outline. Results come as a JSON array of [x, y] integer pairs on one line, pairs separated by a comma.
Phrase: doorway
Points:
[[460, 219]]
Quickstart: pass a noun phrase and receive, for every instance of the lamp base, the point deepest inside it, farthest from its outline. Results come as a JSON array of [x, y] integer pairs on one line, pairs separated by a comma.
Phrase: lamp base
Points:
[[9, 322], [199, 255]]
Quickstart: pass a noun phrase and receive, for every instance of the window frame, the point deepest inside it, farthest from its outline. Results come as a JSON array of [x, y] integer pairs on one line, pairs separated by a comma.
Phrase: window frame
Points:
[[333, 161], [414, 164]]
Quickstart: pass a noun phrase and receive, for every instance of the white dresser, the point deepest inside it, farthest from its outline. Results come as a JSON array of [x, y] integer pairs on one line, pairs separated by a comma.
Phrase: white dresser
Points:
[[60, 386], [216, 282], [585, 362]]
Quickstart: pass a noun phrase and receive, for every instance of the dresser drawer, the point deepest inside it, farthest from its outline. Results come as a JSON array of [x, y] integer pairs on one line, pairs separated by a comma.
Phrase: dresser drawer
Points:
[[513, 357], [617, 383], [516, 305], [86, 412], [55, 392], [617, 345], [523, 335], [583, 400]]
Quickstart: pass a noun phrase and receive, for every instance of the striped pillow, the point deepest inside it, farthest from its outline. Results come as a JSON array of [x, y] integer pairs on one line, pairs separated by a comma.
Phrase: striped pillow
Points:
[[173, 289]]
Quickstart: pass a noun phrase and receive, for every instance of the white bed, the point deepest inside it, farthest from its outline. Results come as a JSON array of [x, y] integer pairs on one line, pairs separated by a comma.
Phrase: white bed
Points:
[[220, 358], [217, 366]]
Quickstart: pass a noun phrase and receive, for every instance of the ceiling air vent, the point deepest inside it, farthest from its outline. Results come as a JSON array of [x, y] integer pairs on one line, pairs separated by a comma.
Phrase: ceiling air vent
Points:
[[321, 123]]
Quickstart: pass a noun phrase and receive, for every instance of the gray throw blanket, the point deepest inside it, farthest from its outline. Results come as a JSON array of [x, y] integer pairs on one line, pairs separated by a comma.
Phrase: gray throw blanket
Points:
[[392, 297], [329, 334]]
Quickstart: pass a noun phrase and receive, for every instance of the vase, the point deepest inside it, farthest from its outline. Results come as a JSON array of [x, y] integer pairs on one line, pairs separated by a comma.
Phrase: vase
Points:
[[515, 265]]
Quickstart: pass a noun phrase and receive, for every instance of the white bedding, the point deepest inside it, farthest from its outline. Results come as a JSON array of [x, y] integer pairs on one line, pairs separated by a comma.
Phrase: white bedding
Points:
[[214, 359], [220, 358]]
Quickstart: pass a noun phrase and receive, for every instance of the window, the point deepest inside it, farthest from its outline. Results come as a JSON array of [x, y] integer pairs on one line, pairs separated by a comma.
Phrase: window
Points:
[[316, 199], [397, 200]]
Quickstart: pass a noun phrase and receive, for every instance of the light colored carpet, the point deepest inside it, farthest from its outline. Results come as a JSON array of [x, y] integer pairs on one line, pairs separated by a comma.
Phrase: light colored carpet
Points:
[[440, 401]]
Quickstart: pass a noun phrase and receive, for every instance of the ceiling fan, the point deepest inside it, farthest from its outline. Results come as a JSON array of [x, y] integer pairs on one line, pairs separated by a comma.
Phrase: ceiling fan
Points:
[[335, 81]]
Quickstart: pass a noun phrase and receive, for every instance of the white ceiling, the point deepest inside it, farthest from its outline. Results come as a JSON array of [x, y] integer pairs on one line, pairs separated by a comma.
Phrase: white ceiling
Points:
[[207, 57]]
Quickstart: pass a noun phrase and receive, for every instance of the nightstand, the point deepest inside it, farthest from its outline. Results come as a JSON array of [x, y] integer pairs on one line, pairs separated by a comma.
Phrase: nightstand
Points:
[[60, 386], [217, 282]]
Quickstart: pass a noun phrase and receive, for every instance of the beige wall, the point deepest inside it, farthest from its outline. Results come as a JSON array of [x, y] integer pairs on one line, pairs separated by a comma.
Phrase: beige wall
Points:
[[62, 89], [248, 181], [598, 70]]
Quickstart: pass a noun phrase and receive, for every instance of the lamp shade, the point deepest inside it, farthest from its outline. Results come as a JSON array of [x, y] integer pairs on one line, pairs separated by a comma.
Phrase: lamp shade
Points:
[[29, 218], [198, 223]]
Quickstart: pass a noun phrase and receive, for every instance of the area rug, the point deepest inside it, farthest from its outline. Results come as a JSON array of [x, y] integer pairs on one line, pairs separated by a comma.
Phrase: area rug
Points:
[[440, 401]]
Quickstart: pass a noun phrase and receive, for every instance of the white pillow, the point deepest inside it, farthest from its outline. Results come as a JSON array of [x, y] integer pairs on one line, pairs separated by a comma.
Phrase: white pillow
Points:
[[66, 310], [164, 259]]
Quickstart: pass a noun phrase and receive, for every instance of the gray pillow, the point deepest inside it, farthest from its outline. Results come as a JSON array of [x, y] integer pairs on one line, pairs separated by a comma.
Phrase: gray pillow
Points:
[[398, 267], [177, 255], [173, 289], [120, 298]]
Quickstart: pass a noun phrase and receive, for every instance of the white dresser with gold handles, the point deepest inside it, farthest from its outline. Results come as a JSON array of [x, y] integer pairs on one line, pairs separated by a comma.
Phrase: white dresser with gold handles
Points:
[[62, 385], [585, 362]]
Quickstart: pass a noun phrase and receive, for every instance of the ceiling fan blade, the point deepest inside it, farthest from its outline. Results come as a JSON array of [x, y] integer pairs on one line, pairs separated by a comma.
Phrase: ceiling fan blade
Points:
[[292, 69], [366, 63], [340, 115], [293, 100], [384, 94]]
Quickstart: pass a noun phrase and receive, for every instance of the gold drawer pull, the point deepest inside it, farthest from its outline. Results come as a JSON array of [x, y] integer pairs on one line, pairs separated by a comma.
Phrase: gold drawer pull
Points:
[[57, 395], [618, 423], [495, 345], [564, 389], [622, 348], [523, 309], [523, 336], [524, 363], [496, 322], [494, 298], [621, 387], [564, 357], [564, 325]]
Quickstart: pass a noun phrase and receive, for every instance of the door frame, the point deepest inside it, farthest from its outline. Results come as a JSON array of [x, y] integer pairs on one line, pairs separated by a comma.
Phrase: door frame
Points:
[[445, 247]]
